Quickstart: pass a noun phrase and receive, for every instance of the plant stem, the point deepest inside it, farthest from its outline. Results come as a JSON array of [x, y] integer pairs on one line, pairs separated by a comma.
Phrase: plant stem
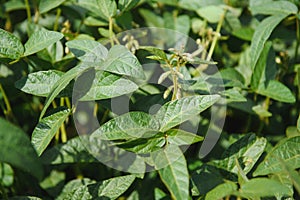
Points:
[[58, 13], [111, 33], [216, 36], [298, 38], [28, 10], [8, 111]]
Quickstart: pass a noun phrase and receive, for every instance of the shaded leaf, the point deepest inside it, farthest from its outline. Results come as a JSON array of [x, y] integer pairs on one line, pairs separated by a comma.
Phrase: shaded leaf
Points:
[[53, 183], [16, 149], [288, 151], [10, 46], [6, 175], [211, 13], [46, 129], [126, 5], [40, 40]]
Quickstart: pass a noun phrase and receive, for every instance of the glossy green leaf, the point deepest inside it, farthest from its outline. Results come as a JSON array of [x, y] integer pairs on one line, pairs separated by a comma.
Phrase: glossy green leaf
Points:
[[10, 45], [144, 145], [274, 8], [173, 171], [247, 150], [221, 191], [88, 50], [6, 175], [39, 83], [61, 84], [259, 72], [128, 126], [180, 137], [121, 61], [277, 91], [72, 186], [263, 187], [40, 40], [107, 189], [107, 85], [126, 5], [46, 129], [46, 5], [261, 35], [211, 13], [156, 51], [175, 112], [288, 151], [16, 149]]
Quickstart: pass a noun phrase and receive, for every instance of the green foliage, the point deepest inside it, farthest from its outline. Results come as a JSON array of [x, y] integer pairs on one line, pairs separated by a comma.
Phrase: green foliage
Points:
[[116, 113]]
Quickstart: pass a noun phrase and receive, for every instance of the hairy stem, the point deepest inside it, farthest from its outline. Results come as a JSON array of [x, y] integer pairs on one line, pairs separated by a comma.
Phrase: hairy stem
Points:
[[28, 10], [8, 111]]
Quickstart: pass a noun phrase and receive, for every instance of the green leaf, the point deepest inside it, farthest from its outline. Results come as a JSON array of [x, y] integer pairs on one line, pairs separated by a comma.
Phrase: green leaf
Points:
[[175, 112], [211, 13], [128, 126], [159, 194], [126, 5], [73, 151], [259, 72], [39, 83], [292, 176], [247, 150], [107, 189], [288, 151], [6, 175], [46, 129], [16, 149], [88, 50], [106, 85], [152, 20], [233, 95], [261, 35], [46, 5], [221, 191], [263, 187], [261, 111], [101, 8], [277, 91], [61, 84], [174, 173], [180, 137], [244, 33], [10, 46], [121, 61], [54, 182], [156, 51], [144, 145], [72, 186], [274, 8], [40, 40]]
